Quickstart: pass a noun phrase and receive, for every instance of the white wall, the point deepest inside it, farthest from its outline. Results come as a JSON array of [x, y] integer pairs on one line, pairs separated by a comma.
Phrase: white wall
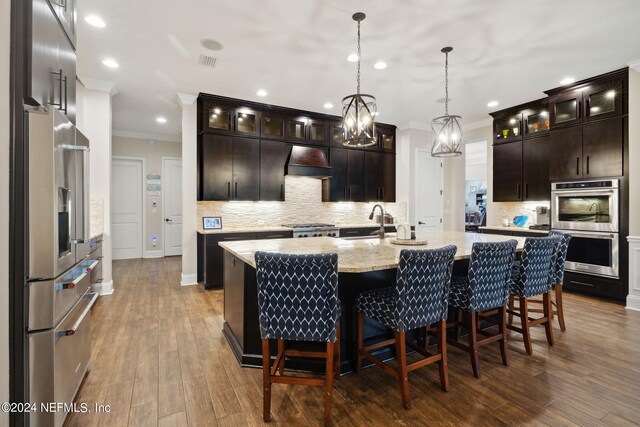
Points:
[[94, 121], [5, 27], [633, 300]]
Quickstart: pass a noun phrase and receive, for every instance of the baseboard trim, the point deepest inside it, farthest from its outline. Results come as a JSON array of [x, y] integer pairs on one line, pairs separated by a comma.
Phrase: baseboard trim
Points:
[[189, 279], [154, 254], [633, 303], [106, 288]]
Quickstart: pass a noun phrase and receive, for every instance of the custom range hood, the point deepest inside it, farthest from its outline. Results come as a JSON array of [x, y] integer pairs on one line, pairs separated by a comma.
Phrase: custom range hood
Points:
[[307, 161]]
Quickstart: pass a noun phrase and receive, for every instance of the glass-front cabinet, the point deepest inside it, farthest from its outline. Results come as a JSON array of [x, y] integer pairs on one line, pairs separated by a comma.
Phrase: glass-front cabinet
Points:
[[318, 131], [565, 108], [507, 127], [272, 125], [218, 116], [247, 121], [386, 138], [603, 100], [337, 134], [297, 129], [536, 119]]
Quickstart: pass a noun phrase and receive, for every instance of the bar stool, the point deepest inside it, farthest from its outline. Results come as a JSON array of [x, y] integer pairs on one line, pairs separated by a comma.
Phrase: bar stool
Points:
[[533, 276], [418, 299], [483, 293], [298, 300], [561, 257]]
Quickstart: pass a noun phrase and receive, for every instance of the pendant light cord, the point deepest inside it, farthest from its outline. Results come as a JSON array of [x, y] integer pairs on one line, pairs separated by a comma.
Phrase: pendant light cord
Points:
[[359, 56], [446, 84]]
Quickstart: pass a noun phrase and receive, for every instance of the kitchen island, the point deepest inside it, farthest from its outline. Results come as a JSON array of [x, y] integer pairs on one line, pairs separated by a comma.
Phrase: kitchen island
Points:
[[363, 263]]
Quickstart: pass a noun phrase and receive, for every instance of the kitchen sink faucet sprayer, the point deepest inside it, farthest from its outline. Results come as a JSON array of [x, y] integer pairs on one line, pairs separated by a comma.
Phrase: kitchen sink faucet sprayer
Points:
[[381, 231]]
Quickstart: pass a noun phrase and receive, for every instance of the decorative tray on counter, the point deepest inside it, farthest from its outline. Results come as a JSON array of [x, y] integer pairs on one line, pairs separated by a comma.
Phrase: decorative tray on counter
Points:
[[408, 242]]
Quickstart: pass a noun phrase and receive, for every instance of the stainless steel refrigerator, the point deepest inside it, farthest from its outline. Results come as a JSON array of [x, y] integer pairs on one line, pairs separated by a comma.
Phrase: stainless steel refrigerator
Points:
[[59, 294]]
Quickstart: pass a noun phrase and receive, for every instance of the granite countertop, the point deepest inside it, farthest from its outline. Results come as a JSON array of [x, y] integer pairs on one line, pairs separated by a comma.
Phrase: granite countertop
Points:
[[260, 228], [515, 229], [362, 255]]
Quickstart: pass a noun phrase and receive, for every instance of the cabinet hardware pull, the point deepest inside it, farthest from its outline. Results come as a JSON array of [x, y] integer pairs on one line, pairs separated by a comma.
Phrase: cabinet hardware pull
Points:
[[236, 189], [583, 283], [232, 238], [57, 104], [282, 192], [65, 96], [382, 193], [228, 190], [518, 191], [587, 165], [345, 192], [577, 165], [526, 191], [349, 192]]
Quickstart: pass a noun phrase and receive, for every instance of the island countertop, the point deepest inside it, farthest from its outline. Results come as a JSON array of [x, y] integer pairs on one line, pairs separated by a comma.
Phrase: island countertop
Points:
[[360, 255]]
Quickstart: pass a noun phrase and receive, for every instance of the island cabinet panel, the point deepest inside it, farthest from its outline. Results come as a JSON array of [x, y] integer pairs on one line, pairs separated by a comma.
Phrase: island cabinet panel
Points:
[[602, 146], [566, 146], [273, 158], [535, 169], [507, 172], [234, 294]]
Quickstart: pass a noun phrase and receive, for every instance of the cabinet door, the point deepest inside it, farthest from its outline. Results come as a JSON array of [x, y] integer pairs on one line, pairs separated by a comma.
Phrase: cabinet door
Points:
[[603, 100], [273, 157], [373, 172], [535, 169], [507, 127], [66, 11], [337, 134], [602, 148], [507, 172], [389, 177], [355, 176], [565, 147], [272, 125], [216, 167], [67, 61], [387, 138], [565, 108], [297, 128], [337, 185], [217, 116], [246, 169], [318, 132], [247, 121], [43, 83]]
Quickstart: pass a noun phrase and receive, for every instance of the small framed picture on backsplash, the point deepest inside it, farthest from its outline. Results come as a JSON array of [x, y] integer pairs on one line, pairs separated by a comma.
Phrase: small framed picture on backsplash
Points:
[[212, 222]]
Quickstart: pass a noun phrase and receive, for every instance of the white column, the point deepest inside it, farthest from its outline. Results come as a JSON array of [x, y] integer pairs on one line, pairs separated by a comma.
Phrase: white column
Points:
[[189, 190], [633, 299], [94, 121], [5, 38]]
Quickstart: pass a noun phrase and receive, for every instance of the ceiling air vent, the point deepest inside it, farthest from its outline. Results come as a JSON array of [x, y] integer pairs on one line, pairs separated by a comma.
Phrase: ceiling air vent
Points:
[[207, 61]]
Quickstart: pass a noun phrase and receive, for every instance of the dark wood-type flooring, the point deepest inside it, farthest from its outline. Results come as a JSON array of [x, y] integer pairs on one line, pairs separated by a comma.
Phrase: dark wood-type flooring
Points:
[[159, 359]]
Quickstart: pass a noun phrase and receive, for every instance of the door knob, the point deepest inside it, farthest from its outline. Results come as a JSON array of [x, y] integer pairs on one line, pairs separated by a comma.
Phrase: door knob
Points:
[[168, 220]]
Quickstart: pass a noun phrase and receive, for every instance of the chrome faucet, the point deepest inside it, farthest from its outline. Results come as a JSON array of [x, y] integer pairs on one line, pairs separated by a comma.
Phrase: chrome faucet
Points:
[[381, 231]]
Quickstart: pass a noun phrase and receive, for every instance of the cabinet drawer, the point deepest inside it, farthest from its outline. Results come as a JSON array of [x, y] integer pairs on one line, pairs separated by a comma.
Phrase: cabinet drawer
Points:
[[596, 286], [274, 235], [351, 232], [229, 237]]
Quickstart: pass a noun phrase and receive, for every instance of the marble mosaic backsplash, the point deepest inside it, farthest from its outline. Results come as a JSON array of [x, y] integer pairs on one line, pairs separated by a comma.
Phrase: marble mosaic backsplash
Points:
[[303, 203], [509, 210]]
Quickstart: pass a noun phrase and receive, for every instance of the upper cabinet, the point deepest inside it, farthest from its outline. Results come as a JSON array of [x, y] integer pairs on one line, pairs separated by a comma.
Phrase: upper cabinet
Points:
[[589, 100], [65, 10], [307, 130], [386, 137], [529, 120], [273, 125]]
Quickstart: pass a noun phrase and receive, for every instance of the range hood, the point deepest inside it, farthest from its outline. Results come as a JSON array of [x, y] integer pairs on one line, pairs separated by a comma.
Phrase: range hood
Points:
[[307, 161]]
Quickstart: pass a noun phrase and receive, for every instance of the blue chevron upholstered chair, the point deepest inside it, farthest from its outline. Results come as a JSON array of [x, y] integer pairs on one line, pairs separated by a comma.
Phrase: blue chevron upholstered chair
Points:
[[482, 293], [418, 300], [298, 300], [535, 275]]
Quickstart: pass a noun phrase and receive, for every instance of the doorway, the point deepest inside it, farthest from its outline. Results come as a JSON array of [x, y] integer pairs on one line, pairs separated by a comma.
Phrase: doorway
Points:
[[172, 205], [127, 208], [475, 185], [428, 191]]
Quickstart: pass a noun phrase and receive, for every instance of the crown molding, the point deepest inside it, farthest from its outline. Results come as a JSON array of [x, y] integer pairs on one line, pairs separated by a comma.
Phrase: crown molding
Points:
[[146, 136], [477, 124], [186, 99], [634, 65], [98, 85]]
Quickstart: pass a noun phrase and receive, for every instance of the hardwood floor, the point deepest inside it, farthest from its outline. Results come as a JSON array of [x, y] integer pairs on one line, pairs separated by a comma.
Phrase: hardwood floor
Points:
[[159, 359]]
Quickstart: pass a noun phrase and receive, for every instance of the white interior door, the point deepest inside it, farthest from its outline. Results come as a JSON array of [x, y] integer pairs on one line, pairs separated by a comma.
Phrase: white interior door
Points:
[[428, 185], [172, 205], [126, 208]]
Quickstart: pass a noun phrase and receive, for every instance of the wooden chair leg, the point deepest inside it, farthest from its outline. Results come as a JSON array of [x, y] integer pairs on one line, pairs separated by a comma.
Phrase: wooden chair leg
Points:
[[548, 310], [266, 381], [403, 374], [511, 308], [503, 332], [328, 383], [559, 307], [456, 331], [524, 317], [360, 341], [336, 349], [281, 350], [442, 350], [473, 343]]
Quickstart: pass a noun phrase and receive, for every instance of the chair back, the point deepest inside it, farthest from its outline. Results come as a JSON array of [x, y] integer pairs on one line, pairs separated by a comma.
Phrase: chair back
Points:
[[490, 274], [422, 286], [297, 296], [537, 266], [561, 256]]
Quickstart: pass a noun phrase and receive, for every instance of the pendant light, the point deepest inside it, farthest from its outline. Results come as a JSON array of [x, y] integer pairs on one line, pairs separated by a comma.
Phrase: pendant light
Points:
[[447, 130], [359, 110]]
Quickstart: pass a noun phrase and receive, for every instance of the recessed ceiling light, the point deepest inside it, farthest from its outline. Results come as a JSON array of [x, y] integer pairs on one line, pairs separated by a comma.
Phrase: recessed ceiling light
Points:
[[211, 44], [380, 65], [161, 120], [95, 21], [492, 104], [110, 63], [353, 57], [328, 105], [261, 92], [567, 81]]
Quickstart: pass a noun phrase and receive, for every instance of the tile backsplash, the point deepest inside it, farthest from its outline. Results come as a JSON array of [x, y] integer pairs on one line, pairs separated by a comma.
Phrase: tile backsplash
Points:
[[509, 210], [303, 204]]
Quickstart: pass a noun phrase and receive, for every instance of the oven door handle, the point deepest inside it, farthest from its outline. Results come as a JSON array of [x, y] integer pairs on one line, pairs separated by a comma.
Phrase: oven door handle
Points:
[[606, 236]]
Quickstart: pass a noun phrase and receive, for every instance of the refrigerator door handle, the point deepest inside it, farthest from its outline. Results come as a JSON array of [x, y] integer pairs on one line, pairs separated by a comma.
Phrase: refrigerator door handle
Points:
[[66, 332]]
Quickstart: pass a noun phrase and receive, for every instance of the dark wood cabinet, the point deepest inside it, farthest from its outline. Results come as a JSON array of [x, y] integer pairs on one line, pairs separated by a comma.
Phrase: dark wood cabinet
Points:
[[565, 108], [246, 169], [335, 188], [507, 172], [535, 169], [386, 137], [604, 99], [273, 157], [247, 121], [602, 148], [307, 130], [566, 146], [337, 134], [379, 177], [272, 125], [216, 115], [355, 176], [507, 127]]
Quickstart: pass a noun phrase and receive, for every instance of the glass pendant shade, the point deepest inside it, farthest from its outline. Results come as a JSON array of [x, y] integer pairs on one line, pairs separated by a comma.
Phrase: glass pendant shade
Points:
[[358, 120], [448, 136]]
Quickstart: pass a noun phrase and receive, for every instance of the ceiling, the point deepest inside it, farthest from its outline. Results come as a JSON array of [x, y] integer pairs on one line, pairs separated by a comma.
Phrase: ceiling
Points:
[[296, 51]]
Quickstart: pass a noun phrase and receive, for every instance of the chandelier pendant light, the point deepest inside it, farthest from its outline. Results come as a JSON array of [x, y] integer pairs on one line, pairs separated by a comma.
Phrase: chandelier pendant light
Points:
[[359, 110], [447, 129]]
